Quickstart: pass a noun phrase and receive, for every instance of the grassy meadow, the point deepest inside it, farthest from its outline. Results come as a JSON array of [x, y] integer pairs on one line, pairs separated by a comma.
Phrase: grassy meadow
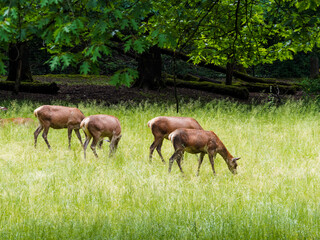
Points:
[[58, 195]]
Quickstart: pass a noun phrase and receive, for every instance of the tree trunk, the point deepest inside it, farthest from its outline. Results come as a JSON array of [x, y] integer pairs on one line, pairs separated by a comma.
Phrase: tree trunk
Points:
[[229, 73], [19, 67], [314, 66], [149, 68]]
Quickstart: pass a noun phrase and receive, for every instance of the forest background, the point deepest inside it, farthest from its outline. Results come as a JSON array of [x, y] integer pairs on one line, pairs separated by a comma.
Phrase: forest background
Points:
[[146, 44]]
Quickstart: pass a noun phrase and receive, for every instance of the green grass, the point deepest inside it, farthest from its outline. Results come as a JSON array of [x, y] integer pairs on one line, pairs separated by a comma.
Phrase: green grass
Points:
[[58, 195]]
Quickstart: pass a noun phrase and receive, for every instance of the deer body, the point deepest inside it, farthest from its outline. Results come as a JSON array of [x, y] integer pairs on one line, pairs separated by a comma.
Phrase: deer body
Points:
[[161, 127], [203, 142], [98, 127], [58, 117], [18, 121]]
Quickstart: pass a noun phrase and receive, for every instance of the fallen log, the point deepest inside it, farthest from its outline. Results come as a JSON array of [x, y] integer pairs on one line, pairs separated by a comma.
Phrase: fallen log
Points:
[[233, 91], [237, 74], [271, 88], [197, 78], [32, 87]]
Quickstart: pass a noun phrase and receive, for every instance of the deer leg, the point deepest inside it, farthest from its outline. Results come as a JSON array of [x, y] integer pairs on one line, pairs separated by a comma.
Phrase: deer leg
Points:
[[200, 162], [85, 145], [153, 146], [78, 135], [100, 144], [112, 147], [177, 154], [179, 158], [159, 151], [114, 144], [93, 146], [36, 133], [69, 136], [212, 157], [44, 136]]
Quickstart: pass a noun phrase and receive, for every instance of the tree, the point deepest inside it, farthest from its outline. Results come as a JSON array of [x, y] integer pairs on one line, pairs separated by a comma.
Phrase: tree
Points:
[[222, 32], [244, 32], [19, 24], [149, 68], [314, 66], [85, 31]]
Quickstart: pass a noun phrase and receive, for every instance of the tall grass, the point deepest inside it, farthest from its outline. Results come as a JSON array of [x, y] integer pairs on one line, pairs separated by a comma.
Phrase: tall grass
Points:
[[58, 195]]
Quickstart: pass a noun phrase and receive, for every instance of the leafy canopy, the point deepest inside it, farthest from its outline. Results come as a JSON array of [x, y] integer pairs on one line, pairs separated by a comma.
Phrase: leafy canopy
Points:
[[81, 32]]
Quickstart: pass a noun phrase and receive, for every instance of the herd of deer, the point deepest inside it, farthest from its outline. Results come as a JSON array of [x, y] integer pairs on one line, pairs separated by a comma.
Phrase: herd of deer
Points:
[[185, 133]]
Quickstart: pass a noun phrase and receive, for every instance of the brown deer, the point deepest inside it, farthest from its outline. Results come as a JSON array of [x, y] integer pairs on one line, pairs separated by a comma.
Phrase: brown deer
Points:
[[18, 121], [203, 142], [58, 117], [161, 127], [98, 127]]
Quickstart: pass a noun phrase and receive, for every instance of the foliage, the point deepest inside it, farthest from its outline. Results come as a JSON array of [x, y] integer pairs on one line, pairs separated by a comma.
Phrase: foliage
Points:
[[298, 67], [19, 22], [311, 86], [249, 32], [58, 195], [80, 33], [123, 77]]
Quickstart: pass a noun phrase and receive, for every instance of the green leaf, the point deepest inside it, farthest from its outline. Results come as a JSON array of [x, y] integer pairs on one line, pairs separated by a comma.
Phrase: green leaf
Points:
[[85, 67], [2, 68], [124, 77], [95, 54], [161, 40], [115, 79], [127, 45], [118, 14], [4, 37], [102, 27], [134, 24], [66, 29], [43, 3], [66, 60], [54, 63], [104, 49], [139, 46], [124, 24]]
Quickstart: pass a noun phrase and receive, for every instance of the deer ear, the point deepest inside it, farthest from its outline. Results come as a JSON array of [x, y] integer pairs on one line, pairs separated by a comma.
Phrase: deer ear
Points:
[[235, 159]]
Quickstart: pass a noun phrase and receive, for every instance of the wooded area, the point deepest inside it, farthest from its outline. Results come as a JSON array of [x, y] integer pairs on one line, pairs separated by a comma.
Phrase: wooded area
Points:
[[236, 38]]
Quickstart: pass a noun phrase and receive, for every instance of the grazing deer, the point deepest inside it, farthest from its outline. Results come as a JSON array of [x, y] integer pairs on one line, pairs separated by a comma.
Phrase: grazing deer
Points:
[[18, 121], [99, 127], [58, 117], [161, 127], [203, 142]]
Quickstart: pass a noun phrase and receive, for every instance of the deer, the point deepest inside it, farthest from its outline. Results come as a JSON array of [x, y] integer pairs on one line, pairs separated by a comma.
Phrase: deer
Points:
[[162, 126], [200, 141], [18, 121], [98, 127], [58, 117]]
